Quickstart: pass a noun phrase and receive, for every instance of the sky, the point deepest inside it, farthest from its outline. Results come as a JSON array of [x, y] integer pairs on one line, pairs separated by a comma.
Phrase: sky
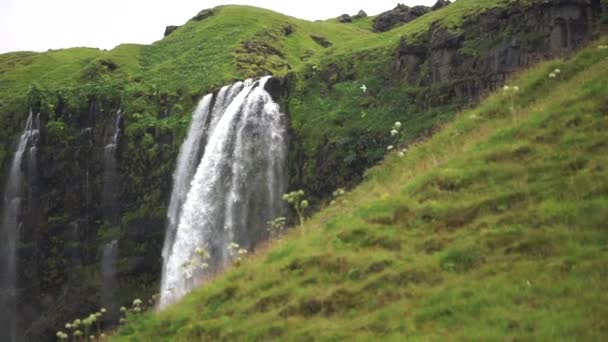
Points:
[[39, 25]]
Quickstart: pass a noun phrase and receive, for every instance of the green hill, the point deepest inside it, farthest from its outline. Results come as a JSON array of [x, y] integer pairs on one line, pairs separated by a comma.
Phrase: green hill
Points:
[[494, 228], [436, 244]]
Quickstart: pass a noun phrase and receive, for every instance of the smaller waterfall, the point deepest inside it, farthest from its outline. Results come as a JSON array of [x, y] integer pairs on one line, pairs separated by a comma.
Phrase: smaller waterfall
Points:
[[11, 223], [110, 214], [110, 183], [108, 273], [235, 189]]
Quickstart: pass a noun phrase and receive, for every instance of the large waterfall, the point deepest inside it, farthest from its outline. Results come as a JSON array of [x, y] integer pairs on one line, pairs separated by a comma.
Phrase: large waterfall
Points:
[[11, 222], [238, 140]]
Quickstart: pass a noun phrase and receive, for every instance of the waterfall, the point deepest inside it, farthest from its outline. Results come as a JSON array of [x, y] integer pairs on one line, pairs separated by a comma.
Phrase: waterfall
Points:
[[110, 185], [11, 223], [238, 142], [108, 274], [110, 213]]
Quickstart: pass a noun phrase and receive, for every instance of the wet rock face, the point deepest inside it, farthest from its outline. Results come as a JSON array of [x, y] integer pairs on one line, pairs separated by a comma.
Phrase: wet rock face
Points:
[[398, 16], [462, 66], [64, 218], [277, 88]]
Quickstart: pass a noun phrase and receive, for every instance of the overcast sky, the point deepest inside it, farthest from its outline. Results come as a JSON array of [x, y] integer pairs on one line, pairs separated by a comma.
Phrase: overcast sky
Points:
[[39, 25]]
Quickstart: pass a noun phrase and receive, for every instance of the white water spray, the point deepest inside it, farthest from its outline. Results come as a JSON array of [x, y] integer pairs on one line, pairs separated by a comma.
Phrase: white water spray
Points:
[[237, 186]]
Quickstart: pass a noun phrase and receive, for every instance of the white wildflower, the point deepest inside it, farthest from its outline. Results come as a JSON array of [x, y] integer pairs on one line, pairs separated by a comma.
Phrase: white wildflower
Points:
[[394, 132], [397, 124], [363, 88], [390, 147], [188, 273]]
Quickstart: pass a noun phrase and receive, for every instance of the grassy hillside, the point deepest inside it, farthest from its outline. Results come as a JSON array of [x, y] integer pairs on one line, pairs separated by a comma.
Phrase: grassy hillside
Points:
[[204, 55], [493, 229]]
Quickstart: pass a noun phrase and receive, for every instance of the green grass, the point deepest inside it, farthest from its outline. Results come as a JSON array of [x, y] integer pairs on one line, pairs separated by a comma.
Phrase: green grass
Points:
[[201, 56], [493, 229], [236, 43]]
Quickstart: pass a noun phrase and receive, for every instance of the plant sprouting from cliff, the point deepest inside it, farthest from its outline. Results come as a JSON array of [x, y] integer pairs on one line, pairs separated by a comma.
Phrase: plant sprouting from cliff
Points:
[[336, 195], [554, 73], [395, 133], [510, 91], [276, 227], [137, 305], [299, 204], [236, 252], [61, 336], [197, 263]]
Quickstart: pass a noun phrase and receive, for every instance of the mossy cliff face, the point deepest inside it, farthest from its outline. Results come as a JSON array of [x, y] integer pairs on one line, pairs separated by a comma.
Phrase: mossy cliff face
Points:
[[420, 77], [340, 130], [67, 222]]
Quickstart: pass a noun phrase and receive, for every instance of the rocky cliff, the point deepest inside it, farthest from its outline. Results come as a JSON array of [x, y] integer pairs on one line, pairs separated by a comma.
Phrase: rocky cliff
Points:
[[66, 221]]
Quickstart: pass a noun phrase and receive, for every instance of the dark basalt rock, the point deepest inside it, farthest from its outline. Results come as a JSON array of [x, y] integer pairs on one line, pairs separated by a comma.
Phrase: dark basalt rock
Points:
[[440, 4], [321, 40], [169, 29], [345, 18], [276, 87], [462, 65], [360, 15], [398, 16], [288, 30], [204, 14]]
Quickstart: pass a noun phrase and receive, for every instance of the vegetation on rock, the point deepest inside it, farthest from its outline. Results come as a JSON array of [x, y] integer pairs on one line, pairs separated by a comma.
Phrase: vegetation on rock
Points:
[[491, 229], [342, 90]]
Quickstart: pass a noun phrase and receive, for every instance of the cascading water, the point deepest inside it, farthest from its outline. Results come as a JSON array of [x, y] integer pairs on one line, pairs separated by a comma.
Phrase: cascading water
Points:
[[110, 213], [240, 141], [110, 184], [11, 222], [108, 274]]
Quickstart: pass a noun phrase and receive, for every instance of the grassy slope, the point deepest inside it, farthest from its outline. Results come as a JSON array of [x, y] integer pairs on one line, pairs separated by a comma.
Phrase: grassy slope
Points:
[[200, 55], [494, 228]]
